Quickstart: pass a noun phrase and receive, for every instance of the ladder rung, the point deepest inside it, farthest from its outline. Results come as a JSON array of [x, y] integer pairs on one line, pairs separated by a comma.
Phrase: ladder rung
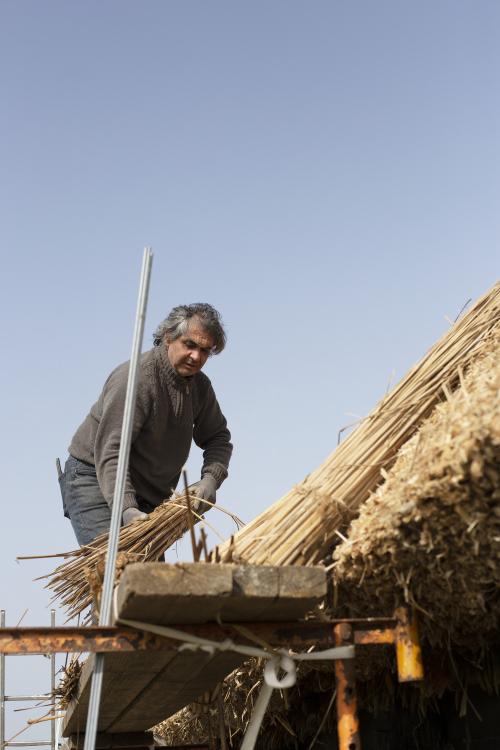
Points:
[[27, 697], [45, 743], [46, 698]]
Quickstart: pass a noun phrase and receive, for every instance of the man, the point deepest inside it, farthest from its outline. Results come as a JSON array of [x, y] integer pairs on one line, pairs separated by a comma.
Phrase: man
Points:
[[175, 405]]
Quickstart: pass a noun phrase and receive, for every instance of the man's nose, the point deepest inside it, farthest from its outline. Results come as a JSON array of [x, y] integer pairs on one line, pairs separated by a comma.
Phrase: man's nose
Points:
[[195, 355]]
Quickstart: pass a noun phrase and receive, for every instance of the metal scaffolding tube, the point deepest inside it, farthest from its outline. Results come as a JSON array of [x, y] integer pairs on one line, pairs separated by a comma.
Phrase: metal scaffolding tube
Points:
[[24, 698], [105, 617], [2, 688], [53, 686], [44, 743]]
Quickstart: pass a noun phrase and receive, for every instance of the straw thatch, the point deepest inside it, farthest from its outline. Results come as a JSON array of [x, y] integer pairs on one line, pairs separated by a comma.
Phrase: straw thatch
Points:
[[77, 582], [67, 688], [441, 513], [430, 535], [304, 526]]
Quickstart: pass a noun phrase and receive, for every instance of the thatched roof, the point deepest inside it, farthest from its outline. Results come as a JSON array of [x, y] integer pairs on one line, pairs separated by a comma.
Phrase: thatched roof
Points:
[[303, 527], [430, 535], [427, 489]]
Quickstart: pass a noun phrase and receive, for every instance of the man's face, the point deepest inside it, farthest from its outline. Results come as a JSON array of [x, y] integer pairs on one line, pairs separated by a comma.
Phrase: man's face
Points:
[[188, 353]]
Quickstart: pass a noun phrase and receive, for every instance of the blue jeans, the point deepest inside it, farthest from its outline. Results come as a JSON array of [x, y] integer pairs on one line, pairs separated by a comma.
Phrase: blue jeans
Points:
[[84, 503]]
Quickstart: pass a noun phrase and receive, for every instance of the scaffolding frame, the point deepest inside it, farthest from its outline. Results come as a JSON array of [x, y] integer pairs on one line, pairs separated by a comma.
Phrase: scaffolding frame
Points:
[[400, 631], [4, 698]]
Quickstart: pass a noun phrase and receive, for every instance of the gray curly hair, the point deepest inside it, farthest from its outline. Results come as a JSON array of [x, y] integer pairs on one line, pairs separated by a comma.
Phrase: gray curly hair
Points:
[[177, 324]]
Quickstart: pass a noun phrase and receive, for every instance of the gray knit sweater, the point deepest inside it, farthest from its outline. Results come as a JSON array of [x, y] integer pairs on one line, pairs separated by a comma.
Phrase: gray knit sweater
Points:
[[170, 412]]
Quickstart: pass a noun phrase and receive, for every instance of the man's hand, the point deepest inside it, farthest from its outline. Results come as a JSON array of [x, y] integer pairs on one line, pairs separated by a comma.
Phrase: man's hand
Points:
[[205, 489], [133, 514]]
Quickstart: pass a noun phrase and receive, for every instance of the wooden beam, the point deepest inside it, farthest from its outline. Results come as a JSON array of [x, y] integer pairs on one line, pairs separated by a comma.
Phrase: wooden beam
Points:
[[107, 741]]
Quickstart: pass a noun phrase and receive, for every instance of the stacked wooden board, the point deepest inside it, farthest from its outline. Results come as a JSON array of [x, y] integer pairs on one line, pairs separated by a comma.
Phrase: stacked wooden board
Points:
[[142, 688]]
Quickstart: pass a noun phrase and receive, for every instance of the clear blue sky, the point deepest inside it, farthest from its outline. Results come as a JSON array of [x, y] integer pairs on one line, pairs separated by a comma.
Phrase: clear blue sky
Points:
[[324, 173]]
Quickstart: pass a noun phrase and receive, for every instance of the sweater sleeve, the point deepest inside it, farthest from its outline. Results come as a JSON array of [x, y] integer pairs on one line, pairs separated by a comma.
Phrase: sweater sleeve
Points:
[[108, 436], [213, 437]]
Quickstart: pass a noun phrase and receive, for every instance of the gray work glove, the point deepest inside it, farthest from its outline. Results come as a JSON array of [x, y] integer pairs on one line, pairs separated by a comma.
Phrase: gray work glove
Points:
[[205, 489], [133, 514]]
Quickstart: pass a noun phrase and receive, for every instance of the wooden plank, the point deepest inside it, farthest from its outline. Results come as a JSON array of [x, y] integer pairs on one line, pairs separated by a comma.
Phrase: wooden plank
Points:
[[141, 689], [199, 592], [187, 677], [107, 741], [135, 696], [125, 677], [119, 743], [188, 592]]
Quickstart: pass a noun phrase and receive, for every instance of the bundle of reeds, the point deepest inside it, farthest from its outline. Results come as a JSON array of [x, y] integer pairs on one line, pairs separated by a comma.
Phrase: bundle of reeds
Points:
[[76, 583], [430, 535], [302, 527]]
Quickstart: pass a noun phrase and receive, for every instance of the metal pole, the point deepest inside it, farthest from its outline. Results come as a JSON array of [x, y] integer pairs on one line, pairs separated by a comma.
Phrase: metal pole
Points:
[[2, 688], [408, 650], [38, 743], [53, 686], [347, 704], [116, 512]]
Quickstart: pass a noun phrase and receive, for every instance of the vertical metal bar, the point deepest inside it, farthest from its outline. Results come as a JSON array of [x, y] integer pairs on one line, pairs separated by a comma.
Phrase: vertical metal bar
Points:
[[105, 618], [2, 688], [116, 511], [53, 686], [408, 650], [258, 712], [347, 708]]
